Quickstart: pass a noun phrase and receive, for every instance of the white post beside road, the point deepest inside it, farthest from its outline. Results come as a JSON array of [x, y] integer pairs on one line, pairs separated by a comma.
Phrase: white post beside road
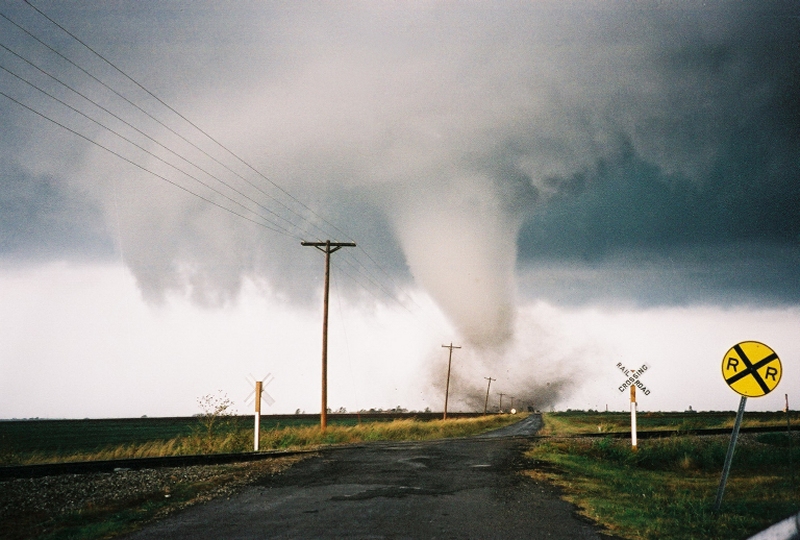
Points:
[[257, 429], [633, 417]]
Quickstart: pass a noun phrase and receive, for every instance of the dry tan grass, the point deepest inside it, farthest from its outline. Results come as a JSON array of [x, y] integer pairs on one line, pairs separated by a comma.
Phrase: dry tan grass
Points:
[[290, 437]]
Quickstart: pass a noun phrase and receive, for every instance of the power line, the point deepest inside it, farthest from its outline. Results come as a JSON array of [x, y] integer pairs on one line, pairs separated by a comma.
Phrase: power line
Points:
[[105, 60], [302, 219], [114, 115], [184, 118], [124, 98], [214, 140], [120, 156], [70, 107]]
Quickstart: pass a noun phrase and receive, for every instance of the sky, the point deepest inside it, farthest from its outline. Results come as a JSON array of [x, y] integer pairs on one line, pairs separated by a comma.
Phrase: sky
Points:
[[557, 188]]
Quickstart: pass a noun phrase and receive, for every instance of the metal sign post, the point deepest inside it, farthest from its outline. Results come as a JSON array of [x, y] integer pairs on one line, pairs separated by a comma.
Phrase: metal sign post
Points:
[[789, 433], [747, 377], [729, 456], [633, 417]]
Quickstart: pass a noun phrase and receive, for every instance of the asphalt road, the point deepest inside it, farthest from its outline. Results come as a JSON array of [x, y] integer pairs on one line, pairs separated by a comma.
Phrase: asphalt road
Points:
[[455, 488]]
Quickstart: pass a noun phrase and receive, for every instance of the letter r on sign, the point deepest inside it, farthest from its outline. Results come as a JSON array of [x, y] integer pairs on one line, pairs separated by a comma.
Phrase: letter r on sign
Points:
[[732, 363], [771, 372]]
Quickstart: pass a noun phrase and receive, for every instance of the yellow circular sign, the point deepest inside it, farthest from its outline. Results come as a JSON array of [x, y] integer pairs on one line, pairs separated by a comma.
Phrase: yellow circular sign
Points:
[[751, 369]]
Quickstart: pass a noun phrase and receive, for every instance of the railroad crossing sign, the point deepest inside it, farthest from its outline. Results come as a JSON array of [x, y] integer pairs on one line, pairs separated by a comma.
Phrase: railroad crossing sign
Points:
[[262, 393], [633, 378], [751, 369], [258, 395]]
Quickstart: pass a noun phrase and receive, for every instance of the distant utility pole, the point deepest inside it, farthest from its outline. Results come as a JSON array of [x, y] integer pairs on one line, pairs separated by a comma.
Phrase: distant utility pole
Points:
[[486, 402], [501, 400], [512, 402], [447, 386], [327, 248]]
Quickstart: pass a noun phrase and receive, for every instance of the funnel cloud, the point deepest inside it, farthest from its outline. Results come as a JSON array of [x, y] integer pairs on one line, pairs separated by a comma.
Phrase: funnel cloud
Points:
[[492, 155]]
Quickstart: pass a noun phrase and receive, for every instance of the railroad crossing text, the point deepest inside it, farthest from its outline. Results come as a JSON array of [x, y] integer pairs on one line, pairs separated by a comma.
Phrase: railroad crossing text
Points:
[[633, 378]]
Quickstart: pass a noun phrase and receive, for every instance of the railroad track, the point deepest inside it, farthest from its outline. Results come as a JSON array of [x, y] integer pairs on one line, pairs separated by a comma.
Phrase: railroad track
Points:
[[84, 467], [112, 465], [662, 434]]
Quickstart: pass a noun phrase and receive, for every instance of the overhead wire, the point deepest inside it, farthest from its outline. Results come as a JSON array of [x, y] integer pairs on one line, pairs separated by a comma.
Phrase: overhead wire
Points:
[[126, 99], [198, 128], [218, 143], [236, 156], [114, 132], [120, 156], [181, 116], [357, 265], [97, 122]]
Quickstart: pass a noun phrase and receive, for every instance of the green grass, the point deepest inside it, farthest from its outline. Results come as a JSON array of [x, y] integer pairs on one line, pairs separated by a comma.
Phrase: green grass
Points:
[[578, 422], [24, 443], [74, 436], [396, 430], [666, 489]]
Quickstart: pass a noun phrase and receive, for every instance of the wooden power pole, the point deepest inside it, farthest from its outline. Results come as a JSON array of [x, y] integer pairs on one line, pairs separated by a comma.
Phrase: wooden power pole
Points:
[[327, 248], [447, 386], [486, 403]]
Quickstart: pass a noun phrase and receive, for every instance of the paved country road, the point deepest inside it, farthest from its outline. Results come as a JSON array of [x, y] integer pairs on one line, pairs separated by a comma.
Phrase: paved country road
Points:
[[453, 488]]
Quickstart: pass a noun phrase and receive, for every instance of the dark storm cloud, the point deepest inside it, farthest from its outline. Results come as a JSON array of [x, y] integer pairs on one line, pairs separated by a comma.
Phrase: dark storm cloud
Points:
[[724, 229], [39, 221], [628, 206], [594, 151]]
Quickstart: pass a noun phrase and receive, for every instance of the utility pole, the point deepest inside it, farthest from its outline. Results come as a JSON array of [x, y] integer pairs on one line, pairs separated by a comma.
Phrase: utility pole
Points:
[[512, 402], [486, 402], [327, 248], [447, 386], [501, 400]]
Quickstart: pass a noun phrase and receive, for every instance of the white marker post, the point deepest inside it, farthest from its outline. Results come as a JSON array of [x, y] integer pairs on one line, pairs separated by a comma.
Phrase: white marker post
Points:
[[257, 428], [633, 417], [258, 394], [633, 380]]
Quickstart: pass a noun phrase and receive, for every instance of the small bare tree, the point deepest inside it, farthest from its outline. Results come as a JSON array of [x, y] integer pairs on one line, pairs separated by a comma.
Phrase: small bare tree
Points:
[[215, 420]]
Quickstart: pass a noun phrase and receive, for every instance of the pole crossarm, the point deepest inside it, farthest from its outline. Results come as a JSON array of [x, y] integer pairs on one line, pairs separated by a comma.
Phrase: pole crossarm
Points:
[[327, 248]]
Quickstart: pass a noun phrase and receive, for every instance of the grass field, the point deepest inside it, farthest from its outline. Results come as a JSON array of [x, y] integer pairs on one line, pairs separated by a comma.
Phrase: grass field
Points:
[[667, 488], [22, 436], [579, 422], [47, 441]]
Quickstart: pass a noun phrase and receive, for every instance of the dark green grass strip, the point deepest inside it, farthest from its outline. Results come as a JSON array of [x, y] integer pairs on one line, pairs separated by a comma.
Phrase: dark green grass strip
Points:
[[666, 489]]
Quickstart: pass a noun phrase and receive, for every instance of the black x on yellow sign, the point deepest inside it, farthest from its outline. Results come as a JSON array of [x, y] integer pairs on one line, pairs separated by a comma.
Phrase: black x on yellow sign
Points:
[[751, 369]]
